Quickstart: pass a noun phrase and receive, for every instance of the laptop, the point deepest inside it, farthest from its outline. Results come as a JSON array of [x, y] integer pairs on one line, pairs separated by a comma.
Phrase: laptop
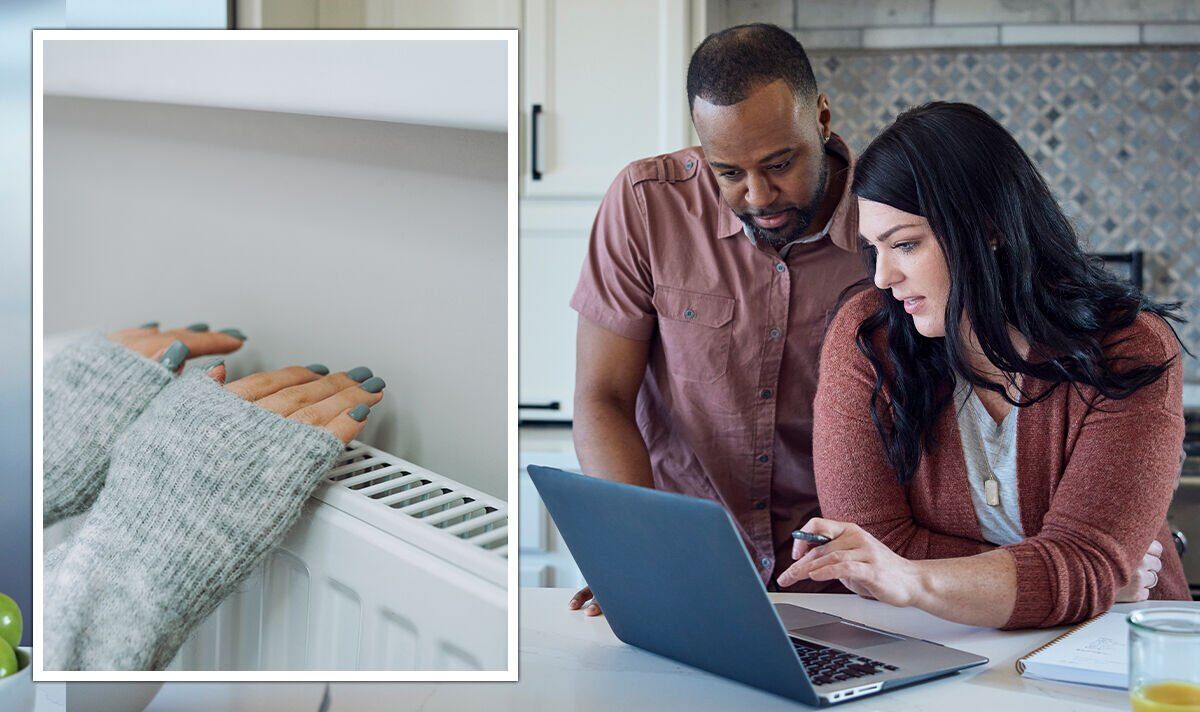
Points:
[[674, 578]]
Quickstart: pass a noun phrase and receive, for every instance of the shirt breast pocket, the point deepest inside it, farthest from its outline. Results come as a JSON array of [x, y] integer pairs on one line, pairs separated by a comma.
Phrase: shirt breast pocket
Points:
[[695, 331]]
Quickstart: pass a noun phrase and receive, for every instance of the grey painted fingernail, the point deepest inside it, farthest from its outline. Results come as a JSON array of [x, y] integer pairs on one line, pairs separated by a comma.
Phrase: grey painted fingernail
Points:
[[359, 373], [213, 364], [318, 368], [360, 412], [234, 333], [149, 325], [175, 355], [374, 384], [198, 326]]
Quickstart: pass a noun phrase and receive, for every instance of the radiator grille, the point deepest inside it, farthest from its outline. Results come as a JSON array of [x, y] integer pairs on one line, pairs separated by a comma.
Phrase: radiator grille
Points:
[[389, 488]]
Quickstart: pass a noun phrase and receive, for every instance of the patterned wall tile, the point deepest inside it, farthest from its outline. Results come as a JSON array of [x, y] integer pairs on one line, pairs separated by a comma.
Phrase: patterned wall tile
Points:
[[1114, 131]]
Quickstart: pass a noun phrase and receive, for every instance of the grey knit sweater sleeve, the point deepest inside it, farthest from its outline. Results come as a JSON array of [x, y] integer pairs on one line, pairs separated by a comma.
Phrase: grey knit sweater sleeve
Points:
[[93, 390], [200, 489]]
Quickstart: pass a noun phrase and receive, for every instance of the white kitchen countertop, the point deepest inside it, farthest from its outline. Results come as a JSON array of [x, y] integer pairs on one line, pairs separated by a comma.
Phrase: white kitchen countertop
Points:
[[570, 661]]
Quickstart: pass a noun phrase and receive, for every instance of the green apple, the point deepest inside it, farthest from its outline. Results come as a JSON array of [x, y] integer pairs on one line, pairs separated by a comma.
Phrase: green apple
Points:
[[8, 659], [10, 621]]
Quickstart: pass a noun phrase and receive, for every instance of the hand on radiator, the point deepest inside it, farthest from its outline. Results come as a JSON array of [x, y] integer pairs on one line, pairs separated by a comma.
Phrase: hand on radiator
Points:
[[201, 487], [171, 348], [93, 390], [337, 402]]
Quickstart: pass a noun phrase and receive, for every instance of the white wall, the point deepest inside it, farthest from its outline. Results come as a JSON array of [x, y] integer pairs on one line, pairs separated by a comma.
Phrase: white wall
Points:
[[342, 241]]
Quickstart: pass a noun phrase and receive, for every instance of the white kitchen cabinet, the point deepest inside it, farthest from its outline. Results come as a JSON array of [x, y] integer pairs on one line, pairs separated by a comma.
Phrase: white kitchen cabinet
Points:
[[545, 558], [603, 84], [554, 239]]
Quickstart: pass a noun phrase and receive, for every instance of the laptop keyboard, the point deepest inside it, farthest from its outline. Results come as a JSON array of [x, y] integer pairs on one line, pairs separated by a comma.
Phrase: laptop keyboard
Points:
[[826, 665]]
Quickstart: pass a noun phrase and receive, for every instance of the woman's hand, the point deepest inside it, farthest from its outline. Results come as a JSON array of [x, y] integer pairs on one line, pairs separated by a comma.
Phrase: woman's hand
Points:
[[195, 340], [337, 402], [1145, 578], [860, 561]]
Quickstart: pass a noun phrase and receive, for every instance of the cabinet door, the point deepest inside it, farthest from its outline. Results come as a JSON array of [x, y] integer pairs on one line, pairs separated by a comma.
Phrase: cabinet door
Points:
[[554, 241], [610, 80]]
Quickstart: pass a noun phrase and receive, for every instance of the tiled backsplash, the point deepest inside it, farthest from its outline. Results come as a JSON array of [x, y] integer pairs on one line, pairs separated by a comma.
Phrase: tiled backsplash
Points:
[[874, 24], [1114, 131]]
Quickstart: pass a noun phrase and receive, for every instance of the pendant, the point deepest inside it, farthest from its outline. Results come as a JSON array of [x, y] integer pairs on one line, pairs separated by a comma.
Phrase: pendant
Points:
[[991, 492]]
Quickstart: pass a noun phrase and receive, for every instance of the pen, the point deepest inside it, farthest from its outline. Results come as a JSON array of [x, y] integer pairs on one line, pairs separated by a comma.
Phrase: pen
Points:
[[811, 538]]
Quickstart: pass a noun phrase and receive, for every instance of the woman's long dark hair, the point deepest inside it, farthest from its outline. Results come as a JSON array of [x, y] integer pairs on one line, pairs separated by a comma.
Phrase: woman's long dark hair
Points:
[[961, 170]]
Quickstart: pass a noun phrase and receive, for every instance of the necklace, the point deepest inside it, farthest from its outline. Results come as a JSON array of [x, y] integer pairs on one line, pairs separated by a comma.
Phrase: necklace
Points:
[[991, 483]]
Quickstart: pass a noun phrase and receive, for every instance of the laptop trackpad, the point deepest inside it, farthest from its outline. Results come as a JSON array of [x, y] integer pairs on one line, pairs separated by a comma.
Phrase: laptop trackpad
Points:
[[794, 617], [846, 635]]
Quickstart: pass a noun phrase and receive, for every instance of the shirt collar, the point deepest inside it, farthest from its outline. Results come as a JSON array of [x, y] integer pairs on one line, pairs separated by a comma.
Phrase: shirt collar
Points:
[[842, 227]]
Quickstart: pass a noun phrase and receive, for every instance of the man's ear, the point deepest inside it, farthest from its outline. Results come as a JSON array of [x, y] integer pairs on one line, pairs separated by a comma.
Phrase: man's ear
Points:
[[824, 117]]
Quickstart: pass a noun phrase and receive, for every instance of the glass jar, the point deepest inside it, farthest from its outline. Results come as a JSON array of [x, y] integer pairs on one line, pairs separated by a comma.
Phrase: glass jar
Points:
[[1164, 659]]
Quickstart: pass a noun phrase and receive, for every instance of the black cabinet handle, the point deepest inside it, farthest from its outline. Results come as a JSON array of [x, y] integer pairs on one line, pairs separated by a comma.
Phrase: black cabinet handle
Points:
[[533, 158], [552, 405]]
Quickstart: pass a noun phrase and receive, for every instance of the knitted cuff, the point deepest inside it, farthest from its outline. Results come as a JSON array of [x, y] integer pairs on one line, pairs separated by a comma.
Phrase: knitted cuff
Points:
[[93, 390], [1035, 587], [200, 489]]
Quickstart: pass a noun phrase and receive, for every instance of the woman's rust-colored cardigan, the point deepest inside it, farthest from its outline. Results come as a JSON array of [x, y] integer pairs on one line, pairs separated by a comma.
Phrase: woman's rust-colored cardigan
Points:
[[1094, 483]]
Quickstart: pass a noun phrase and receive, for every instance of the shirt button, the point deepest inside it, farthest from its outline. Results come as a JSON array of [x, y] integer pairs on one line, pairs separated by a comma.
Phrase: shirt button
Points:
[[765, 562], [775, 333], [766, 393], [760, 505], [689, 314], [689, 165], [780, 267], [763, 458]]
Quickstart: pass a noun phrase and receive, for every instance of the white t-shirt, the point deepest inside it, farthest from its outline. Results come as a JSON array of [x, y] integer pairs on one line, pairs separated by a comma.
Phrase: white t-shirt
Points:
[[986, 442]]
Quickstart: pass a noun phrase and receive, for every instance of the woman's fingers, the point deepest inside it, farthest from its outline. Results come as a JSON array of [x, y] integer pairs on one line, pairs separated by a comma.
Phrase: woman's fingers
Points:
[[857, 572], [208, 343], [347, 425], [171, 356], [216, 371], [147, 340], [1156, 549], [811, 567], [260, 385], [289, 400], [134, 332], [800, 548], [368, 393]]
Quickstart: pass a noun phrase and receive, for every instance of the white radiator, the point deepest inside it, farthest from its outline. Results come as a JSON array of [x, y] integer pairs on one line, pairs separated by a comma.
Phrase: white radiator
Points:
[[391, 567]]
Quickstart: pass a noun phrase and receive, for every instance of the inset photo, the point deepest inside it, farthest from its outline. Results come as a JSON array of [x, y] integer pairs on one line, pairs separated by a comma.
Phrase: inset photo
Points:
[[272, 328]]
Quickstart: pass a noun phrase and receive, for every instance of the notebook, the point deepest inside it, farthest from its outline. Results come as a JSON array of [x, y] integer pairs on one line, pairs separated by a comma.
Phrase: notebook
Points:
[[1091, 653]]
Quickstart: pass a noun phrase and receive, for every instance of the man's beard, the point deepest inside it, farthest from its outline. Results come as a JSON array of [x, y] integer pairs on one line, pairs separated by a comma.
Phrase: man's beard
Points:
[[799, 224]]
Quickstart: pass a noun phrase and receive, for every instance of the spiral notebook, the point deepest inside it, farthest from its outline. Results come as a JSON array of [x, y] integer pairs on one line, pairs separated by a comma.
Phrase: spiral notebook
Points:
[[1091, 653]]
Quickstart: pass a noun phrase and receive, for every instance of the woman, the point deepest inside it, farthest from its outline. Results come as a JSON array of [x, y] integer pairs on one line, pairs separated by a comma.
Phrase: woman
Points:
[[187, 484], [1000, 418]]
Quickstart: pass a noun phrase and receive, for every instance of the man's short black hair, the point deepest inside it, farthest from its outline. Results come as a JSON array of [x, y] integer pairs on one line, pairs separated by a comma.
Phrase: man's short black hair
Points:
[[729, 64]]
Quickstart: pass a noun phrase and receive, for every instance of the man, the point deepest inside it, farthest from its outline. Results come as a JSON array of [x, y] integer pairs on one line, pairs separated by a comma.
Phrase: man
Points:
[[705, 292]]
